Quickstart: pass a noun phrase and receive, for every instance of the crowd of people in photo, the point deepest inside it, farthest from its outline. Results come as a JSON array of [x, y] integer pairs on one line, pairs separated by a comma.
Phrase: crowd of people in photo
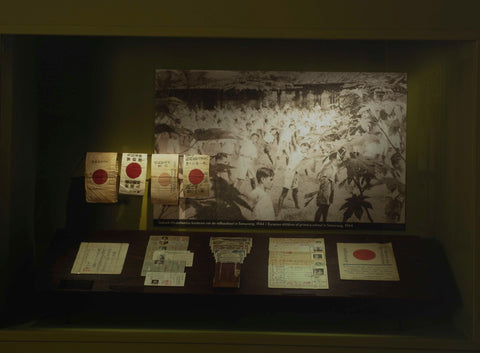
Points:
[[269, 150]]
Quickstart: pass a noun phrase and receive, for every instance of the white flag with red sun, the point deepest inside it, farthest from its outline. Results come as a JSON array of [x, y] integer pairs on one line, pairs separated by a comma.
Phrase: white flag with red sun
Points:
[[196, 176], [164, 184], [133, 174], [101, 177]]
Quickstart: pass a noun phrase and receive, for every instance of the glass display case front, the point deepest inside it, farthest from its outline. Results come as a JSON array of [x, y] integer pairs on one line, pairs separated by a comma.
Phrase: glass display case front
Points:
[[72, 95]]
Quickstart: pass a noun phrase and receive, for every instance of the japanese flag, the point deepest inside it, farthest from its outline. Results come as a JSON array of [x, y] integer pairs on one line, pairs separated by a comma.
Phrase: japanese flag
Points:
[[164, 181], [196, 176], [133, 174], [101, 177]]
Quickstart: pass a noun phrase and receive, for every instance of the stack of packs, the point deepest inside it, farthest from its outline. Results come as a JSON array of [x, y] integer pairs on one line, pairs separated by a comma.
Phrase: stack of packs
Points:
[[165, 260], [229, 254]]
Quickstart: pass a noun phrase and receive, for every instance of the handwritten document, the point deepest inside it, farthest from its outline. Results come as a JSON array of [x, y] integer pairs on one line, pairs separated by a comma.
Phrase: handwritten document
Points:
[[100, 258]]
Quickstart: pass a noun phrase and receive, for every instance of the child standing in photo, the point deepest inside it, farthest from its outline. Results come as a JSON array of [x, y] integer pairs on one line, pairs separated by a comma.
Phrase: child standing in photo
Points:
[[263, 209], [324, 197]]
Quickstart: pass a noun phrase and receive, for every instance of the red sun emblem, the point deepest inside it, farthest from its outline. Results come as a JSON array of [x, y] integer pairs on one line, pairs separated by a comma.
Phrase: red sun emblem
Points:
[[133, 170], [196, 176], [364, 254], [164, 179], [100, 176]]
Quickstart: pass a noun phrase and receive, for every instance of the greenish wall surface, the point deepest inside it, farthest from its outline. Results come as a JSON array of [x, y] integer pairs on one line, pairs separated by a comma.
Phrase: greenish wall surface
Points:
[[385, 19], [476, 240], [456, 215], [103, 340], [5, 153], [103, 347], [96, 94]]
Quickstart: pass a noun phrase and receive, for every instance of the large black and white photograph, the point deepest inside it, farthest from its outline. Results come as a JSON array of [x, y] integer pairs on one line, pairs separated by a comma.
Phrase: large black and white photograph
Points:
[[311, 149]]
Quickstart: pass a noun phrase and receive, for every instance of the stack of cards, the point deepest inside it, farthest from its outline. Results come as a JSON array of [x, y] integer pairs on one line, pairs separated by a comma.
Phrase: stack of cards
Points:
[[165, 261], [229, 253]]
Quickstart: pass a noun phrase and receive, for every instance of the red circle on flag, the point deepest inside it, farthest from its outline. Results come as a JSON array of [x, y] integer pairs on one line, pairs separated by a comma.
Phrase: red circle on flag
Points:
[[164, 179], [133, 170], [364, 254], [100, 176], [196, 176]]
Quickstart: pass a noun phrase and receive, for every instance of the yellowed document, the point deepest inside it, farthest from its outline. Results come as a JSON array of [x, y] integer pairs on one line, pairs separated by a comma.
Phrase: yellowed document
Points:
[[164, 243], [297, 258], [165, 279], [297, 276], [297, 263], [196, 176], [101, 177], [100, 258], [174, 255], [164, 186], [133, 174], [297, 244], [367, 262]]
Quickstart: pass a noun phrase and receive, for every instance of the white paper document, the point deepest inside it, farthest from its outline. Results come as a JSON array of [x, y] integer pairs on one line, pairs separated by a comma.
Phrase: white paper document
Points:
[[164, 185], [297, 263], [133, 174], [174, 255], [100, 258], [165, 279], [367, 261], [101, 174], [196, 176], [297, 244], [167, 253]]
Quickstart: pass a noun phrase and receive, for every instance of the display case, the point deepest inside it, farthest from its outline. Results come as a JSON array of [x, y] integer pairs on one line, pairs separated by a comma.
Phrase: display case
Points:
[[70, 87]]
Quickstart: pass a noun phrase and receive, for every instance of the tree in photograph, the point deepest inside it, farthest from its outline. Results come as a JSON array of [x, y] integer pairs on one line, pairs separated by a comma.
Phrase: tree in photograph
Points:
[[370, 135]]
